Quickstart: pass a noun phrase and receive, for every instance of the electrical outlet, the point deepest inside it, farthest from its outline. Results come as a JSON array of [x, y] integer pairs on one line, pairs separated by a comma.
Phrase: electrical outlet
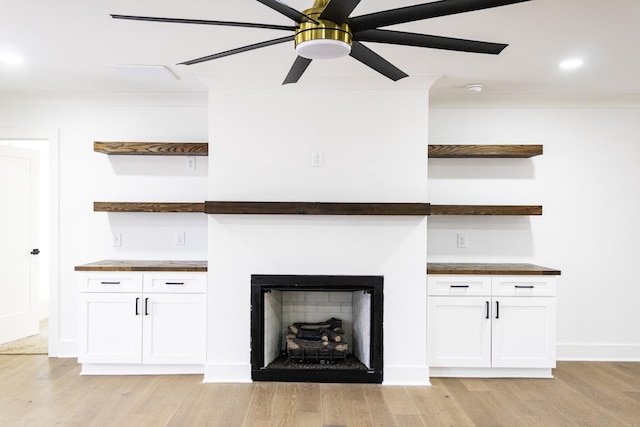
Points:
[[116, 240], [191, 163], [463, 241], [317, 159], [180, 238]]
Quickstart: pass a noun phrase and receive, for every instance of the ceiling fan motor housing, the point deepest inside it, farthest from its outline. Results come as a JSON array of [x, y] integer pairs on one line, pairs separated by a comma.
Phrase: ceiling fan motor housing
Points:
[[322, 39]]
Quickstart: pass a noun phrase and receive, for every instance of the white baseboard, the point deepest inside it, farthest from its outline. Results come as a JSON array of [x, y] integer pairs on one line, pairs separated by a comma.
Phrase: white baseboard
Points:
[[492, 372], [139, 369], [406, 375], [227, 373], [599, 352], [63, 349]]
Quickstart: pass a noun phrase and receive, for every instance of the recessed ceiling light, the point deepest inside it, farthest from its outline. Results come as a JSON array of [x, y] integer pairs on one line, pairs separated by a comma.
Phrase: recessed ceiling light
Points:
[[571, 64], [11, 58], [475, 88]]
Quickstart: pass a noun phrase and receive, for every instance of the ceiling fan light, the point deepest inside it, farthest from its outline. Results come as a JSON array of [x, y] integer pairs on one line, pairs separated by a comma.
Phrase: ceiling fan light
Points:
[[323, 49]]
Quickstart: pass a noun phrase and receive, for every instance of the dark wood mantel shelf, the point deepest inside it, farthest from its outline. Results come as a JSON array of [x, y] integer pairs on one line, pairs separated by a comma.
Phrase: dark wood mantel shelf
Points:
[[483, 151], [310, 208], [152, 148], [148, 207], [314, 208]]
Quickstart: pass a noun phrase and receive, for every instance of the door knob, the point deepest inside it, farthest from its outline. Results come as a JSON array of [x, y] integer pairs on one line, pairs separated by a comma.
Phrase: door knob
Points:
[[35, 251]]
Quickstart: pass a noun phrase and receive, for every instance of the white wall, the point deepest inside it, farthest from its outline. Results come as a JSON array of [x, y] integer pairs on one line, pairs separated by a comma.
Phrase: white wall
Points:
[[86, 176], [586, 181], [375, 151]]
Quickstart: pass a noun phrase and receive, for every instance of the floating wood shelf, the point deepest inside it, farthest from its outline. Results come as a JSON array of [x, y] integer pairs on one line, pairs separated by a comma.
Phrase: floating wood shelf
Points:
[[148, 207], [484, 151], [485, 210], [313, 208], [137, 265], [152, 148], [303, 208], [487, 268]]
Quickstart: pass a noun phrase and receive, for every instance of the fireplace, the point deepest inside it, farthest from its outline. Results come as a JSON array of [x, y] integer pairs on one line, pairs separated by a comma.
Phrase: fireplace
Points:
[[340, 318]]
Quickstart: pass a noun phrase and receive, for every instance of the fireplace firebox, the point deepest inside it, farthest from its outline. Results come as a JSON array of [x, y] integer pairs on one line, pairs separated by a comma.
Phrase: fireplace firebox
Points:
[[310, 328]]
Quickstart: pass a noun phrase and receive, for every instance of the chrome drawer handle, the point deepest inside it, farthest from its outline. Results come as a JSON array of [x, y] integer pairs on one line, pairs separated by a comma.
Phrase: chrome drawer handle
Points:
[[109, 283]]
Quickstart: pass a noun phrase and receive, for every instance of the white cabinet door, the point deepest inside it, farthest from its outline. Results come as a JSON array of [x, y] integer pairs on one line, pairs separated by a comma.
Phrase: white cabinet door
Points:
[[459, 331], [174, 328], [110, 328], [524, 332]]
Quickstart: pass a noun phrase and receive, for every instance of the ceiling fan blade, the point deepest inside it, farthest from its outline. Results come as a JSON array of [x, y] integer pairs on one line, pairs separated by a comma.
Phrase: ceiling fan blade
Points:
[[287, 11], [375, 61], [238, 50], [204, 22], [339, 10], [424, 40], [297, 69], [423, 11]]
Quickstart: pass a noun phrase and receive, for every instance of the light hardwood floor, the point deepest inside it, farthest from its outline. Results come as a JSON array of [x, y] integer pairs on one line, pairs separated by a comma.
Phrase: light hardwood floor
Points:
[[39, 391]]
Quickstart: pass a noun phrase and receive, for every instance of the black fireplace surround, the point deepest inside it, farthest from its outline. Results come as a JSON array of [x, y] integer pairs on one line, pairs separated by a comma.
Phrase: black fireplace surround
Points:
[[262, 284]]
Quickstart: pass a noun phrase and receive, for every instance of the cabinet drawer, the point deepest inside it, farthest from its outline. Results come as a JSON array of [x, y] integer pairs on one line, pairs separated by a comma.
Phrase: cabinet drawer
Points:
[[538, 286], [175, 282], [449, 285], [110, 282]]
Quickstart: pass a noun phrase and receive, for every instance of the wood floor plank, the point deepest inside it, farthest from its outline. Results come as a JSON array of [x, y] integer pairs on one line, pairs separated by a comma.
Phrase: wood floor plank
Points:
[[259, 410], [39, 391], [469, 403], [377, 405], [309, 398], [607, 401], [437, 406], [337, 409], [283, 404], [398, 401], [362, 415]]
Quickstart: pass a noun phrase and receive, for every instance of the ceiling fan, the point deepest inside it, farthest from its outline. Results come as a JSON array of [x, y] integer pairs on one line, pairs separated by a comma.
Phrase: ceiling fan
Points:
[[327, 31]]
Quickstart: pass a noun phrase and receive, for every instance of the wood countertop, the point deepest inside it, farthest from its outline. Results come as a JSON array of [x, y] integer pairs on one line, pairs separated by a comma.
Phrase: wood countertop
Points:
[[432, 268], [138, 265], [490, 268]]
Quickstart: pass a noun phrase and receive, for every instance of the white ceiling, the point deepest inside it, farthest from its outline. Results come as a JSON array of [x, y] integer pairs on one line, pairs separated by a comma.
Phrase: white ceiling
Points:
[[71, 45]]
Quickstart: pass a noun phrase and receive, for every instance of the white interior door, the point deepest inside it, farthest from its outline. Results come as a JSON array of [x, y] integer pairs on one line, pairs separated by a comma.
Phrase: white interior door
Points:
[[19, 288]]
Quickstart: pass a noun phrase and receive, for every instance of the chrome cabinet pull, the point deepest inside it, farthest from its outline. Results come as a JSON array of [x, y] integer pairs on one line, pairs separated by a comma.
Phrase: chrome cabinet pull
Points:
[[109, 283]]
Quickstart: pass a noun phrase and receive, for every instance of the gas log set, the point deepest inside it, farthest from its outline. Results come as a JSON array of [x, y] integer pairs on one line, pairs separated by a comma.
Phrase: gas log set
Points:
[[318, 342]]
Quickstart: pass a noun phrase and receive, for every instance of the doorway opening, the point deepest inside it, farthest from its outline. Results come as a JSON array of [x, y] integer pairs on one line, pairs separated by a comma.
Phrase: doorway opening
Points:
[[45, 143]]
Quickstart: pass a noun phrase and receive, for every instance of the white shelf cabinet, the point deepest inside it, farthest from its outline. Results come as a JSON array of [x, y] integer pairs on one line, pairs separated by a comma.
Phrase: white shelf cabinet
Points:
[[491, 326], [137, 323]]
